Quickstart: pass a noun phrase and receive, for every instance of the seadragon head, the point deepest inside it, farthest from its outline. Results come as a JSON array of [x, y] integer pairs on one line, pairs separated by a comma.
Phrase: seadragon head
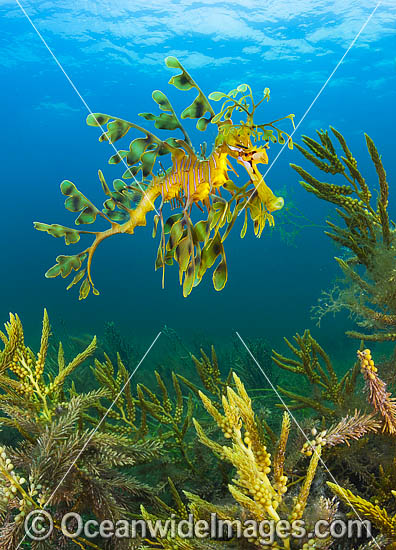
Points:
[[241, 142]]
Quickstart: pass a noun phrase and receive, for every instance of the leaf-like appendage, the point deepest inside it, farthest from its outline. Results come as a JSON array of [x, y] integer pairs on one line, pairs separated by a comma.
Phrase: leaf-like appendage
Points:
[[122, 198], [105, 187], [182, 81], [77, 202], [116, 129], [197, 108], [210, 252], [148, 160], [217, 117], [183, 253], [176, 233], [170, 221], [142, 152], [202, 124], [141, 156], [71, 235], [84, 289], [201, 230], [117, 216], [136, 149], [189, 279], [220, 274], [268, 135], [97, 119], [77, 278], [65, 264], [163, 121], [200, 106], [162, 101], [216, 96]]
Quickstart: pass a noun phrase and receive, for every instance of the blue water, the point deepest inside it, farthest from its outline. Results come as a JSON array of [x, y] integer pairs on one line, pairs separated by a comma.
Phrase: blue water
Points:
[[114, 54]]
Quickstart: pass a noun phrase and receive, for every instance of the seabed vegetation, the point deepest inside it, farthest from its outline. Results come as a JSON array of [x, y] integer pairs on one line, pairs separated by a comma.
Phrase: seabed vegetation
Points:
[[200, 437]]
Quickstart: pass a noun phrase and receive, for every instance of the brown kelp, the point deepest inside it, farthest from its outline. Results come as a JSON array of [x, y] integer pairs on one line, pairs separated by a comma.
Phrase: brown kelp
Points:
[[368, 235], [191, 179]]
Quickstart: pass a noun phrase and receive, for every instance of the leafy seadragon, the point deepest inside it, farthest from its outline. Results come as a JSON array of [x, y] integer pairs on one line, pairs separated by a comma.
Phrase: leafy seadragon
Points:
[[192, 179]]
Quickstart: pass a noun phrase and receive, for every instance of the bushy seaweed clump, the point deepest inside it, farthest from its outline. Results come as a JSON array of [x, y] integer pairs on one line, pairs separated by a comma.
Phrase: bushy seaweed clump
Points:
[[366, 233], [101, 453], [366, 469], [120, 451], [63, 456]]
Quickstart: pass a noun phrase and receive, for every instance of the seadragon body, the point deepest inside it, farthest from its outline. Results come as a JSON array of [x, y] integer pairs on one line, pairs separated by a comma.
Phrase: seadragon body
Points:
[[192, 180]]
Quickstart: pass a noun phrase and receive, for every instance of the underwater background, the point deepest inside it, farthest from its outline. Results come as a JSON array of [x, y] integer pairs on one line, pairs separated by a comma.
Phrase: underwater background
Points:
[[114, 54], [272, 398]]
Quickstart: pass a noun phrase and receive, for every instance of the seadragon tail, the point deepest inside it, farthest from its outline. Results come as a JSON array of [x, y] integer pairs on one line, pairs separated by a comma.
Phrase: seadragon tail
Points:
[[117, 211]]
